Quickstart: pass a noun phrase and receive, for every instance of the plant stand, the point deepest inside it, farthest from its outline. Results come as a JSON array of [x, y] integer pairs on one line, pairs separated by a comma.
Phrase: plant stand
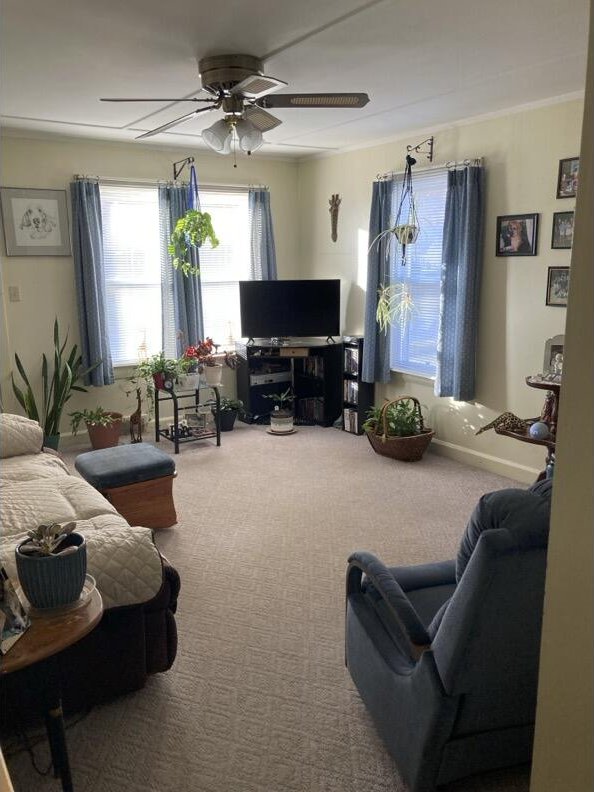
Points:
[[179, 410]]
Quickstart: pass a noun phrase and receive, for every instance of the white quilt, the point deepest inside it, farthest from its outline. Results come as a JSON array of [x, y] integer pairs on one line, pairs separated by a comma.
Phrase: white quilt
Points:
[[37, 488]]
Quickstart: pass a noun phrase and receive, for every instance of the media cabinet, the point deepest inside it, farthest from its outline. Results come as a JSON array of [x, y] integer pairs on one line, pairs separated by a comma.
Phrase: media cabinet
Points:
[[312, 367]]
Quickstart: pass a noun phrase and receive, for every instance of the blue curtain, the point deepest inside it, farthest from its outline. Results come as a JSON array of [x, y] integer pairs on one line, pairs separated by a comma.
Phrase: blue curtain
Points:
[[183, 322], [87, 242], [262, 250], [460, 284], [376, 349]]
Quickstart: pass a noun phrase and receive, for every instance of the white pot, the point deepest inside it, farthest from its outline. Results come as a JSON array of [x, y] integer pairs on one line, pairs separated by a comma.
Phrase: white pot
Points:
[[189, 381], [213, 374], [281, 424], [406, 234]]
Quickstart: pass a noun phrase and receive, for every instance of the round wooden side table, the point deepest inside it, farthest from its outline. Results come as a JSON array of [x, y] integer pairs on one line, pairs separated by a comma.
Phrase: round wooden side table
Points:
[[48, 635]]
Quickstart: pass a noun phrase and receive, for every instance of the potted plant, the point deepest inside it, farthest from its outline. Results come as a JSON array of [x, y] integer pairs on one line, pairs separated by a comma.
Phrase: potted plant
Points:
[[104, 427], [52, 564], [57, 388], [281, 418], [228, 412], [191, 230], [158, 368], [396, 429]]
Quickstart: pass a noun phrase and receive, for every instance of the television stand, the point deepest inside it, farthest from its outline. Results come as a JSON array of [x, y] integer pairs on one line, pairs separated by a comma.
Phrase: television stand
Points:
[[311, 367]]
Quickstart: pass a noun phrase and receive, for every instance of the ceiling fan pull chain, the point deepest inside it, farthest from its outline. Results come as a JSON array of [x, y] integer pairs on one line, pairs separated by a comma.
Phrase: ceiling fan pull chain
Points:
[[193, 195]]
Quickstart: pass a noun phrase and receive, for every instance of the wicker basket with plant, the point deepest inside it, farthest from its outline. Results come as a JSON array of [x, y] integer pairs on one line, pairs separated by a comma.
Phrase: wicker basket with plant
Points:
[[397, 430]]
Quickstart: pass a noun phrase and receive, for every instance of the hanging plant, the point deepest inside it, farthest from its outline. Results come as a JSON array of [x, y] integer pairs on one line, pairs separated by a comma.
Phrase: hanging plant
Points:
[[406, 228], [394, 305], [191, 230]]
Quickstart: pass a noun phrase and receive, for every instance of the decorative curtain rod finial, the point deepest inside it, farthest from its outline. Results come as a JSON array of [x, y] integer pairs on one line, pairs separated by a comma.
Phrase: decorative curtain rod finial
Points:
[[418, 149]]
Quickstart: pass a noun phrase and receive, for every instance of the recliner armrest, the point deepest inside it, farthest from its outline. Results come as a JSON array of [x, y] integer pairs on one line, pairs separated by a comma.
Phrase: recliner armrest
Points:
[[398, 603]]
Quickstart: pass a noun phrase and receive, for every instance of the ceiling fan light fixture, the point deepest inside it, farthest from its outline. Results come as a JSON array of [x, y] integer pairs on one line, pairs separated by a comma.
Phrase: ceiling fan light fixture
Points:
[[249, 136], [218, 136]]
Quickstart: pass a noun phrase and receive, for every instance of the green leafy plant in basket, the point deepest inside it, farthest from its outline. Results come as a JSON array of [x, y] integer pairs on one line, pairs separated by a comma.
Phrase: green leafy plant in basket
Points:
[[396, 429], [402, 419], [57, 386], [191, 230]]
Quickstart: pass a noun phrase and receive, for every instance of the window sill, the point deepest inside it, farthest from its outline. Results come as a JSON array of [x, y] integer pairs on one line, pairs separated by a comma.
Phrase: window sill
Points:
[[423, 379]]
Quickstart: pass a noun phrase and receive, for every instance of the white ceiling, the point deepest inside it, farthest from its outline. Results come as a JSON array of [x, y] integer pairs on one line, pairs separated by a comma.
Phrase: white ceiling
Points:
[[422, 64]]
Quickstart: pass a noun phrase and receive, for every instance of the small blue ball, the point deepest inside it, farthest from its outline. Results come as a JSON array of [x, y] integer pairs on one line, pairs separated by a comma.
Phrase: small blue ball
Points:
[[539, 430]]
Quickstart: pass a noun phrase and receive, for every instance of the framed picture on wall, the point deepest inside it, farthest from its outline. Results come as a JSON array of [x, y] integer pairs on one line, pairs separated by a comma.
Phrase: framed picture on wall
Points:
[[558, 286], [567, 180], [35, 222], [562, 238], [517, 235]]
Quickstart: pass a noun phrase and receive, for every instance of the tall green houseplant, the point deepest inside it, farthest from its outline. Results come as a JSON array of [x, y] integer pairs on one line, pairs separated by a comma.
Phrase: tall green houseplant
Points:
[[57, 387]]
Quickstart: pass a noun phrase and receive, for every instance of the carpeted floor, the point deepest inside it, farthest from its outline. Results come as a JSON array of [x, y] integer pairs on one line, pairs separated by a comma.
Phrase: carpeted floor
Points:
[[259, 699]]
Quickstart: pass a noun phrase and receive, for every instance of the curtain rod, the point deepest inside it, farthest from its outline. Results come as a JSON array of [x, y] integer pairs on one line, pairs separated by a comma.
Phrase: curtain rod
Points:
[[156, 182], [476, 161]]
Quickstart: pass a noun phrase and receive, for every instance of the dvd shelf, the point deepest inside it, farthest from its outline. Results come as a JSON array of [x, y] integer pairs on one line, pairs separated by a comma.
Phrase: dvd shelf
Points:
[[312, 368], [357, 395]]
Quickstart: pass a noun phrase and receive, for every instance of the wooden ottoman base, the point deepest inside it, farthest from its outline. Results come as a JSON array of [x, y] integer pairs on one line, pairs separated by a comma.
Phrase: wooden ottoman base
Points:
[[148, 503]]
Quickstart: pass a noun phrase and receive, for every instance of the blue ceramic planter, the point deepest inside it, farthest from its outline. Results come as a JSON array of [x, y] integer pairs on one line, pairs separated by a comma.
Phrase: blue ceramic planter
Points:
[[52, 581]]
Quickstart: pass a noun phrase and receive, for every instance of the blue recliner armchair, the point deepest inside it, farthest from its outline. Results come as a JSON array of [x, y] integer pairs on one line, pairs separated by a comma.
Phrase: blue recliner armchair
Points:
[[445, 656]]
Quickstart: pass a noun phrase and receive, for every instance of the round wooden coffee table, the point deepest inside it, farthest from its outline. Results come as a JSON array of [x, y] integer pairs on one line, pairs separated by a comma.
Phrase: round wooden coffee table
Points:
[[49, 634]]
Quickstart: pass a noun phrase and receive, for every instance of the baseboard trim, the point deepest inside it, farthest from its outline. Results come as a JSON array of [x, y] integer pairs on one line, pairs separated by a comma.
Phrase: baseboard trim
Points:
[[503, 467]]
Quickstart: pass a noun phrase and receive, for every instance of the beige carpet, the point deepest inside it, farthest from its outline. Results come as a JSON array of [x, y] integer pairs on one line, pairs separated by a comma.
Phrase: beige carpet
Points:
[[259, 699]]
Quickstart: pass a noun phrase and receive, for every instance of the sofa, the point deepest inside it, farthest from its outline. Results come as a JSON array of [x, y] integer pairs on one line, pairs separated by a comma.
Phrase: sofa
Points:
[[137, 634]]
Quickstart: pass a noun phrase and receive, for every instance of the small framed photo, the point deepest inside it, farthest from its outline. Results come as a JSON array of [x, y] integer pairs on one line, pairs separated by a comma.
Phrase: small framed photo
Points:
[[558, 286], [567, 180], [35, 222], [562, 238], [553, 356], [517, 235]]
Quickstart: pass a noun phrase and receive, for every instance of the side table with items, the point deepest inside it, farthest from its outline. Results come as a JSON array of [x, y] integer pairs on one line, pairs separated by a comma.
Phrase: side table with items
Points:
[[548, 416], [37, 653], [190, 421]]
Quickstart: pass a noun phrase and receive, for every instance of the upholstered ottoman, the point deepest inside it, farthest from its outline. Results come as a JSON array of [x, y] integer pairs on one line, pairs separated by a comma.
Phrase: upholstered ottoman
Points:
[[137, 479]]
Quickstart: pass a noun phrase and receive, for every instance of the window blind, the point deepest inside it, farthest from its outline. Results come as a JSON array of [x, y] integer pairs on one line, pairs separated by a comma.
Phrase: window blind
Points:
[[223, 267], [130, 216], [413, 339]]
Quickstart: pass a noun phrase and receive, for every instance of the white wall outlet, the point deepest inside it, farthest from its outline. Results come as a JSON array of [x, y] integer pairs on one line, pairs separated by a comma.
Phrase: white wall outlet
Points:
[[14, 294]]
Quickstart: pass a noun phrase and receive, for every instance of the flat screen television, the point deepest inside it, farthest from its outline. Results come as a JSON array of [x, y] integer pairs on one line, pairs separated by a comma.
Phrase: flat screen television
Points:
[[289, 308]]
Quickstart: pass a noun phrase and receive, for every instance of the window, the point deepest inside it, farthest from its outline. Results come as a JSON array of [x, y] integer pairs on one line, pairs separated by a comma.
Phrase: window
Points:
[[132, 246], [413, 339], [132, 271], [221, 269]]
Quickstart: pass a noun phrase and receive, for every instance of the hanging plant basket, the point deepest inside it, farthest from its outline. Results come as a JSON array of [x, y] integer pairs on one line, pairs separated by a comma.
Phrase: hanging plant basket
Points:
[[406, 449], [406, 228], [191, 230]]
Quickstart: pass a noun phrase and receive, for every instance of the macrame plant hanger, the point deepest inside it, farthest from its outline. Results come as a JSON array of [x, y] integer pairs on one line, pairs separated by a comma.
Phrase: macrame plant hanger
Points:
[[407, 228]]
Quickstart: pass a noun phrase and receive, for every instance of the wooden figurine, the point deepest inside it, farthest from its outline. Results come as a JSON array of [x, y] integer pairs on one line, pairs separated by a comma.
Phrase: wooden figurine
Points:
[[334, 202], [136, 420]]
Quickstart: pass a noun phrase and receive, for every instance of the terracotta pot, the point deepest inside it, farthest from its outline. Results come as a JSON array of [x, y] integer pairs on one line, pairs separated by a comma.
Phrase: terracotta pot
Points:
[[106, 436]]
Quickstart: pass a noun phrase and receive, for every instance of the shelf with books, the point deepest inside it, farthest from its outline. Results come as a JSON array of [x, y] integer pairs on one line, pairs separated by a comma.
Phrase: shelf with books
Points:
[[357, 394]]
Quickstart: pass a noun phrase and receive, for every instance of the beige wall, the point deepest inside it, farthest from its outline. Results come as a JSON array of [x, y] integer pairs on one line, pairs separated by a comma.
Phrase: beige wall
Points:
[[563, 756], [521, 154], [47, 283]]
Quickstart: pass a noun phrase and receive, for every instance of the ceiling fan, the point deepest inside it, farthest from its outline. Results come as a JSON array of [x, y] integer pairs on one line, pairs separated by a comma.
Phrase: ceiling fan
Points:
[[238, 86]]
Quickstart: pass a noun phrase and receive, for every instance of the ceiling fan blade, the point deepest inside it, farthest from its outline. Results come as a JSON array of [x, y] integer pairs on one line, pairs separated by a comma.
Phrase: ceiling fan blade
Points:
[[175, 122], [257, 85], [118, 99], [352, 100], [261, 119]]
